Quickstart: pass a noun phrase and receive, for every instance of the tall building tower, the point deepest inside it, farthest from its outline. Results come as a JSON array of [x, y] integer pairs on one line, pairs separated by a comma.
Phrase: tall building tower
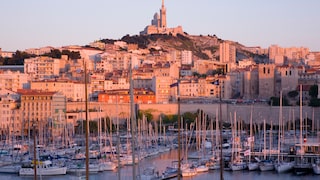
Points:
[[227, 52], [266, 80], [163, 16]]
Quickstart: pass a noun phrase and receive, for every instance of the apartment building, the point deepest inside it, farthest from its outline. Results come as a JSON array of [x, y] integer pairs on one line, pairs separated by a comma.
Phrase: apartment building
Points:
[[186, 57], [189, 87], [204, 66], [292, 53], [142, 82], [73, 90], [117, 61], [46, 111], [116, 83], [39, 51], [13, 80], [227, 52], [42, 67], [161, 87], [144, 96], [10, 120], [6, 54]]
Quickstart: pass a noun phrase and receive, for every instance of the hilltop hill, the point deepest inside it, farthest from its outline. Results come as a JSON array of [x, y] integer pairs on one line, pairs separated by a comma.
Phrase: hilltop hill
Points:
[[202, 47]]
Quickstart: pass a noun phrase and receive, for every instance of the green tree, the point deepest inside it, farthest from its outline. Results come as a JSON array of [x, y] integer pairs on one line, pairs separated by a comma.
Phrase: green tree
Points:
[[189, 117], [313, 91], [147, 113], [170, 119], [275, 101], [314, 102], [17, 58], [93, 126], [293, 94], [54, 53], [71, 54]]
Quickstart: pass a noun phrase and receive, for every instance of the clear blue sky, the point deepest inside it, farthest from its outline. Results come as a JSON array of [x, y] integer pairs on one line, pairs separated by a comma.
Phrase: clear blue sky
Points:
[[38, 23]]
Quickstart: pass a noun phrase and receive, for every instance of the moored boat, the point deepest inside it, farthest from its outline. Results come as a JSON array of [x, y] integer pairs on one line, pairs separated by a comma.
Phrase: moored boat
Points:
[[44, 168], [283, 167], [188, 172], [202, 168], [316, 167], [170, 172], [266, 165], [11, 169], [252, 166]]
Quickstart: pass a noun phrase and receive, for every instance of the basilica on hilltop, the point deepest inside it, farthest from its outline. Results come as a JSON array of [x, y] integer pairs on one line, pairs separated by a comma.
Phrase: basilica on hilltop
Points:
[[159, 24]]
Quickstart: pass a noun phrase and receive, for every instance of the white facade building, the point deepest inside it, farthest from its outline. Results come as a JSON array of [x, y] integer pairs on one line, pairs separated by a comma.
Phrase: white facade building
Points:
[[186, 57], [13, 80], [42, 67]]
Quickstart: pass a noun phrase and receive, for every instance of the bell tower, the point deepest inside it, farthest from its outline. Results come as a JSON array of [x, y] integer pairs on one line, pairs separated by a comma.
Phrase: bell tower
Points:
[[163, 16]]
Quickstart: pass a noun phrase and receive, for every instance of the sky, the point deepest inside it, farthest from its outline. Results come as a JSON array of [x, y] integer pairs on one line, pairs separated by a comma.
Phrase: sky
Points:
[[38, 23]]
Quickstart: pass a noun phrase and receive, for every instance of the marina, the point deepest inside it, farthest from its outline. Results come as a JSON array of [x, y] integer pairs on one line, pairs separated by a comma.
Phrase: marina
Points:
[[161, 161], [157, 159]]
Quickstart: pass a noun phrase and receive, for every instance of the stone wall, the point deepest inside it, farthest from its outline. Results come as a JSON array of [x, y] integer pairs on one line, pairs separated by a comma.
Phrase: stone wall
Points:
[[259, 111]]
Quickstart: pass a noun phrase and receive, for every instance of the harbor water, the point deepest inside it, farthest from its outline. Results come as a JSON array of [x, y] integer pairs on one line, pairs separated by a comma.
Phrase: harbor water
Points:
[[160, 162]]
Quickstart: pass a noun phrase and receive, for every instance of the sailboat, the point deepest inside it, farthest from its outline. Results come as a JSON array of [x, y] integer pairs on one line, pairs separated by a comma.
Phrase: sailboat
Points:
[[266, 164], [13, 165], [316, 167], [302, 164], [188, 170], [252, 165], [282, 166], [201, 166], [237, 161], [44, 168], [214, 161], [105, 164]]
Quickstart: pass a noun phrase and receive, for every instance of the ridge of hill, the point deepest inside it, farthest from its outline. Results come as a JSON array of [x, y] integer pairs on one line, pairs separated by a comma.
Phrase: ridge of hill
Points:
[[202, 47]]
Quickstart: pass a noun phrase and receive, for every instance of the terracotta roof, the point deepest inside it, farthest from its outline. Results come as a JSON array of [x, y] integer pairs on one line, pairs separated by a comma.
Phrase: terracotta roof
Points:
[[30, 92]]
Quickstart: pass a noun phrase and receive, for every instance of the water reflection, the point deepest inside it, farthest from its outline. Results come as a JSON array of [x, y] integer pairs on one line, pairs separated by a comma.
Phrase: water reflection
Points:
[[164, 160]]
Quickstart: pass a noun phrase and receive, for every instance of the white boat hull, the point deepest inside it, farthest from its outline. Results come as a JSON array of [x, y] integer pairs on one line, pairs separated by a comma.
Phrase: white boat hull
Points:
[[43, 171], [266, 167], [284, 167], [79, 170], [107, 166], [202, 168], [252, 166], [238, 166], [11, 169], [189, 172], [316, 168]]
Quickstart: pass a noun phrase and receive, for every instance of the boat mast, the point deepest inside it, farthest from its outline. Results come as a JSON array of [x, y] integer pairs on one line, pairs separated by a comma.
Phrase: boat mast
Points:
[[301, 118], [87, 121], [179, 130], [251, 138], [280, 126], [132, 117], [118, 139], [34, 151]]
